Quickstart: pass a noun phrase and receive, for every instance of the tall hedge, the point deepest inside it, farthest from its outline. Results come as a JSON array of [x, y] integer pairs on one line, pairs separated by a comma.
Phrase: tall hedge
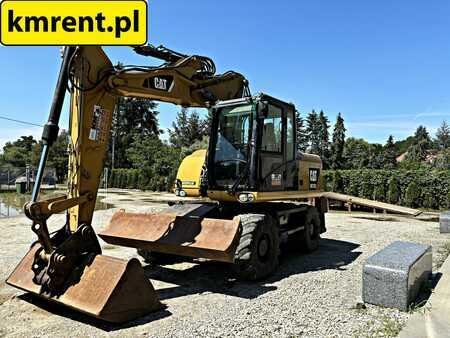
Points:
[[428, 189], [413, 188], [136, 179]]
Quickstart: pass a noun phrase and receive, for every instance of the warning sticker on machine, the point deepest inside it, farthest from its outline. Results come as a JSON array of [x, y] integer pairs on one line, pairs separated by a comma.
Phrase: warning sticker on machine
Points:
[[99, 125], [276, 179], [313, 178]]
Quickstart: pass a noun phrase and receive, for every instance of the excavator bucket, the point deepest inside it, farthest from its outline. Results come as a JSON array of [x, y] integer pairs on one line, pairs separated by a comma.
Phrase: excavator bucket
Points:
[[215, 239], [108, 288]]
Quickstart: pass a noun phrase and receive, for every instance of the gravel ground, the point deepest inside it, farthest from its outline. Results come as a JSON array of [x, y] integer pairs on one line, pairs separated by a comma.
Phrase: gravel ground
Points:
[[311, 295]]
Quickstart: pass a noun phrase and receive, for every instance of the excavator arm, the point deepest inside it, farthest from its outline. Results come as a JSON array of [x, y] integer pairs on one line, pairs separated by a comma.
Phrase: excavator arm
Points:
[[95, 84], [67, 264]]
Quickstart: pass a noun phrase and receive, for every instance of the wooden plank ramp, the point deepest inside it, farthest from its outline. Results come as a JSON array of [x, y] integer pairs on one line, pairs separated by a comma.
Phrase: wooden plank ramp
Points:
[[371, 203]]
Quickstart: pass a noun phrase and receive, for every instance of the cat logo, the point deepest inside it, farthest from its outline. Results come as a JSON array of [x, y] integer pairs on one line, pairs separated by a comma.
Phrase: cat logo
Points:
[[164, 83], [160, 83]]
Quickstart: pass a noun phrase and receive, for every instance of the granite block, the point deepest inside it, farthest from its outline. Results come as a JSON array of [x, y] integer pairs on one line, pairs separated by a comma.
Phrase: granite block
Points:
[[393, 276]]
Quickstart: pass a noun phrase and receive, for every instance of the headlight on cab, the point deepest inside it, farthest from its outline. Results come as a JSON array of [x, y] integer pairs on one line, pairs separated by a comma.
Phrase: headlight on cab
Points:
[[246, 198]]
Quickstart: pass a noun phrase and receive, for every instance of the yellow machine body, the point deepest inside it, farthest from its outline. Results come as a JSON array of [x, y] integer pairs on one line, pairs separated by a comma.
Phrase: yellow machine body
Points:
[[192, 168], [190, 173], [68, 267]]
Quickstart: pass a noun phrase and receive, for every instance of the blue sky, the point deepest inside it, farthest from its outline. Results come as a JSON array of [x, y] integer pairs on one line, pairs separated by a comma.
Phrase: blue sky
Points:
[[384, 64]]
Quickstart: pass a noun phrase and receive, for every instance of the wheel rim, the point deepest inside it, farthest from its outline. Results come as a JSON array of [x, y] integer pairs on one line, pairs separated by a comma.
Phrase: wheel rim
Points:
[[263, 248]]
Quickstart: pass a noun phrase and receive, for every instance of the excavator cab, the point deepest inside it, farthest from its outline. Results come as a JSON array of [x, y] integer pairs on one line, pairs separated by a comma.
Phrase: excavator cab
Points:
[[252, 146]]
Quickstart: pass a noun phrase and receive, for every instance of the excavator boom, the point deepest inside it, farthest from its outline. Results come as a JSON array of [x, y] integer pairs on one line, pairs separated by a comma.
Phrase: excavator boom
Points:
[[67, 266]]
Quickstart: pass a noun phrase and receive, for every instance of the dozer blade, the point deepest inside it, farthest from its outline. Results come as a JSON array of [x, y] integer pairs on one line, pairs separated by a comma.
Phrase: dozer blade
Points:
[[215, 239], [108, 288]]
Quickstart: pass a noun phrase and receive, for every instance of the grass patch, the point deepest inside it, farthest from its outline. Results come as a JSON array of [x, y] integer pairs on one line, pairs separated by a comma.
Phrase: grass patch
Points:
[[390, 327]]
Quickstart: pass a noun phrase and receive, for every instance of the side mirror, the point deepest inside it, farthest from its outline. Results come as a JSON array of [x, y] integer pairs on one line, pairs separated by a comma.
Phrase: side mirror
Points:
[[262, 109]]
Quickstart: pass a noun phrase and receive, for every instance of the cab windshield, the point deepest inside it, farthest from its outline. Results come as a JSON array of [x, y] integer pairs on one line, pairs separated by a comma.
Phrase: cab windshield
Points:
[[234, 133]]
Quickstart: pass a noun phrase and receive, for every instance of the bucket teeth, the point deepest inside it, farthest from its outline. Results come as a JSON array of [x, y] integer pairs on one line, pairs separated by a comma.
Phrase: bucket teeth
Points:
[[108, 288], [210, 238]]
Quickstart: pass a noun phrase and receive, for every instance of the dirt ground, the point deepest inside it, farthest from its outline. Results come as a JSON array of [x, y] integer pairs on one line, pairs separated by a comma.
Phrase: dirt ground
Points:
[[310, 295]]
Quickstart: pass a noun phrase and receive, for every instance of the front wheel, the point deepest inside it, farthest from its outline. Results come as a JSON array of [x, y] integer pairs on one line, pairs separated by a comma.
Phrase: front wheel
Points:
[[259, 247]]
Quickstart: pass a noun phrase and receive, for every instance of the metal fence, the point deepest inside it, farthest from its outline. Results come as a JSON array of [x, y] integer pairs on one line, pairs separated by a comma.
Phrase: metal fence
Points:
[[9, 175]]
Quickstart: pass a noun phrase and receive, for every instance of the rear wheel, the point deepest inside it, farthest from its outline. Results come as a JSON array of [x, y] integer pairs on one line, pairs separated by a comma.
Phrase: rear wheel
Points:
[[259, 247], [310, 237]]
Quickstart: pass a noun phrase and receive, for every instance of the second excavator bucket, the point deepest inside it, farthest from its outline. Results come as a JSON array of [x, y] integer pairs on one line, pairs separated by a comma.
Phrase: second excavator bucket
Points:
[[108, 288], [215, 239]]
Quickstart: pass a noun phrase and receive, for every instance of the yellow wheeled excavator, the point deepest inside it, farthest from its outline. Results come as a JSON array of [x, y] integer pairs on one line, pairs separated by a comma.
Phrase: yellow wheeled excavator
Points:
[[253, 172]]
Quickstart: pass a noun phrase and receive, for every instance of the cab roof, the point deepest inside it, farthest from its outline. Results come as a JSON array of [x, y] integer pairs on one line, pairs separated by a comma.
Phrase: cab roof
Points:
[[255, 98]]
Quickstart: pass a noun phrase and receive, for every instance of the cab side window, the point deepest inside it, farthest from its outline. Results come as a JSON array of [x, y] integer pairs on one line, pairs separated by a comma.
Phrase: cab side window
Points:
[[272, 130], [290, 136]]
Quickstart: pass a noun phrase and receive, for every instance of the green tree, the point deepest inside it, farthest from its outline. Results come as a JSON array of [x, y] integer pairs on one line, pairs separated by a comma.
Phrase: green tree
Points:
[[337, 146], [187, 129], [379, 192], [143, 150], [412, 195], [393, 192], [421, 144], [155, 160], [443, 136], [356, 153], [375, 156], [313, 130], [429, 200], [402, 146], [133, 116], [18, 153], [136, 115], [442, 160], [389, 158], [207, 122], [302, 136], [324, 136], [58, 156]]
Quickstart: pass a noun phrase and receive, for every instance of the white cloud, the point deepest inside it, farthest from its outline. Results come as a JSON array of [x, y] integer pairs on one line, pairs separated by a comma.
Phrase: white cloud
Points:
[[432, 114]]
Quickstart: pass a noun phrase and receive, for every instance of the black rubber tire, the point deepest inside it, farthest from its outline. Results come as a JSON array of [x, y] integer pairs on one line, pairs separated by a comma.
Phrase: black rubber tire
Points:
[[310, 237], [259, 247], [157, 258]]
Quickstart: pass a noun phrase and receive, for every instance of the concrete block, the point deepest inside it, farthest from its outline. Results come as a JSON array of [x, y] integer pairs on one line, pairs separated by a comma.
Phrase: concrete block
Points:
[[393, 276], [444, 222]]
